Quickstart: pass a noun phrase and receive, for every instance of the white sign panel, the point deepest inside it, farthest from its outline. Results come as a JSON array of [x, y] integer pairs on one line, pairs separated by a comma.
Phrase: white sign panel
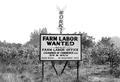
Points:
[[60, 47]]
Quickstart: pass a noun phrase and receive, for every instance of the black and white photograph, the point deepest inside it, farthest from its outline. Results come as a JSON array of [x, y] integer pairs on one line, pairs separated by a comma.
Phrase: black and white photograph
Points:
[[59, 40]]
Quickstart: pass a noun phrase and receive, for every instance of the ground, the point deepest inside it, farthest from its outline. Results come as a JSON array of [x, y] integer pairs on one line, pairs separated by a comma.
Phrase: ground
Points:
[[92, 73]]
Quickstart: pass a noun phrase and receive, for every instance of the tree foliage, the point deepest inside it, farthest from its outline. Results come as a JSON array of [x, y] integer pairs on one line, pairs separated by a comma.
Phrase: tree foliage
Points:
[[101, 50], [87, 40], [18, 58], [34, 37], [87, 44], [104, 52]]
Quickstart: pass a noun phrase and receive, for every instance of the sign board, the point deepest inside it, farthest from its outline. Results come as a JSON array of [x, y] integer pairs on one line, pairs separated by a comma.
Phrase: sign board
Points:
[[60, 47]]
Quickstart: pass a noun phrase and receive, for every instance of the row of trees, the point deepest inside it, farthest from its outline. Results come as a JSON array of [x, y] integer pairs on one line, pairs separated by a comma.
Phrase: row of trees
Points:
[[104, 52]]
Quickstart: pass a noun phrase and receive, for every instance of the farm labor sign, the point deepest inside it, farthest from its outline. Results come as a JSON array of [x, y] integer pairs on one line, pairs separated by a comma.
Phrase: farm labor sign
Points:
[[60, 47]]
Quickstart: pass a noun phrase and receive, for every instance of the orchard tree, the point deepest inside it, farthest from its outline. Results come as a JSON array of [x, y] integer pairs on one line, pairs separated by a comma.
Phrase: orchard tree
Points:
[[34, 37], [101, 50], [87, 41], [104, 52], [87, 44]]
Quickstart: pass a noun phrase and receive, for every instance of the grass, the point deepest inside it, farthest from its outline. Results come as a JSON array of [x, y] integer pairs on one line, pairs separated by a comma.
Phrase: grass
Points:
[[95, 73]]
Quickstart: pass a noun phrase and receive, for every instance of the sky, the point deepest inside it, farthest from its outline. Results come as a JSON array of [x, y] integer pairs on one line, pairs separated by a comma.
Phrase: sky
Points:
[[98, 18]]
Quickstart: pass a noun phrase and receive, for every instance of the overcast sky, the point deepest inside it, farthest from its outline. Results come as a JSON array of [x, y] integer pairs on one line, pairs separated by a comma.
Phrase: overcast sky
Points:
[[18, 18]]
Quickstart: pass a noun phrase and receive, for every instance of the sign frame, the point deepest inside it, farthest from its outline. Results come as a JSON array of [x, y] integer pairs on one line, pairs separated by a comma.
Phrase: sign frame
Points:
[[40, 46]]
